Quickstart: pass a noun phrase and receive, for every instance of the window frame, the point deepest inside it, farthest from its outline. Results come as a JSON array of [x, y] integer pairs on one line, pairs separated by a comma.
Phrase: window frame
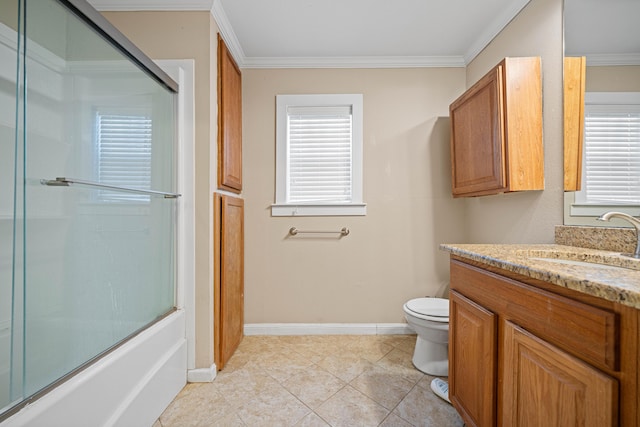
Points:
[[580, 206], [282, 207]]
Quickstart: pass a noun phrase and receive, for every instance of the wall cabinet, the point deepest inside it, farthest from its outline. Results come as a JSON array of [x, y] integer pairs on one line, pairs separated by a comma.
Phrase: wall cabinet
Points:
[[229, 121], [575, 69], [530, 354], [228, 293], [496, 131]]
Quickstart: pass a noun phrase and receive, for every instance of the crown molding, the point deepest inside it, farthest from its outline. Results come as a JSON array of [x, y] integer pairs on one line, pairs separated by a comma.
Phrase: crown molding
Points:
[[139, 5], [355, 62], [227, 33], [494, 29], [233, 44], [603, 60]]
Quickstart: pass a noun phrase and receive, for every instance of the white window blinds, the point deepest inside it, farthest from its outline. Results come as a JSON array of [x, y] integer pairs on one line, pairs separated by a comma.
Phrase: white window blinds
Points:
[[124, 155], [612, 154], [320, 154]]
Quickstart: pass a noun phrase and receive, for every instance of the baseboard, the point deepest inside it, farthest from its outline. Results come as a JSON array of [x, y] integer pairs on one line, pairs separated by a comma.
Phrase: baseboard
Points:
[[327, 329], [202, 375]]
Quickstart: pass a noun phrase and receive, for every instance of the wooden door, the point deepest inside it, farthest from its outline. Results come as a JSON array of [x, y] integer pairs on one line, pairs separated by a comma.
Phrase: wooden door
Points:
[[472, 360], [229, 121], [229, 277], [544, 386]]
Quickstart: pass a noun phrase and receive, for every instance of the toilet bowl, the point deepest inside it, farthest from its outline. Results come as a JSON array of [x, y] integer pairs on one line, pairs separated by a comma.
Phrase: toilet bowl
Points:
[[429, 318]]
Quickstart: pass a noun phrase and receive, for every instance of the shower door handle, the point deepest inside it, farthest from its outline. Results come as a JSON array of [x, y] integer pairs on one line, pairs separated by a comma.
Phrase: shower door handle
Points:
[[65, 182]]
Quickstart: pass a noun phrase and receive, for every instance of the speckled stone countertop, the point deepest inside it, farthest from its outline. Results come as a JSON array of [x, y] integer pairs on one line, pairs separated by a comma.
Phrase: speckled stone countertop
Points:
[[609, 275]]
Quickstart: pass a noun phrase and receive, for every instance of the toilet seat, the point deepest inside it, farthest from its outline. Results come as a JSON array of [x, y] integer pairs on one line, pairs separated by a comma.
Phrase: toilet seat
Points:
[[433, 309]]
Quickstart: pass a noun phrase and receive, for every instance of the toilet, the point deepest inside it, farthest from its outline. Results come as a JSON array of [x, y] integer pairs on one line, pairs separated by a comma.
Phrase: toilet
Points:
[[429, 318]]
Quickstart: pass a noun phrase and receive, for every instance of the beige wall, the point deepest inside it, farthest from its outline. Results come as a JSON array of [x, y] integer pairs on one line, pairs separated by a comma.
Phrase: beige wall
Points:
[[613, 79], [189, 35], [527, 217], [392, 253]]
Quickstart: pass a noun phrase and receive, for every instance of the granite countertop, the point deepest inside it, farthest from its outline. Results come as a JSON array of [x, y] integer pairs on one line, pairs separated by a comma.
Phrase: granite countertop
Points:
[[617, 284]]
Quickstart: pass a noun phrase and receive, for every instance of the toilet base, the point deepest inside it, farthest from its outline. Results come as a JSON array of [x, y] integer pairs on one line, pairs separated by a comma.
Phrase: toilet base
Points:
[[431, 358]]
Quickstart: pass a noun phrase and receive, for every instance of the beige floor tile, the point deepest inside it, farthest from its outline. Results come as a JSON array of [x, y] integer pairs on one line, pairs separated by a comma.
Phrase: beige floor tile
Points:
[[276, 408], [383, 386], [281, 381], [406, 343], [425, 382], [395, 421], [369, 349], [243, 385], [313, 386], [312, 420], [350, 408], [345, 366], [399, 362], [423, 408], [259, 344], [232, 420], [284, 364], [197, 404]]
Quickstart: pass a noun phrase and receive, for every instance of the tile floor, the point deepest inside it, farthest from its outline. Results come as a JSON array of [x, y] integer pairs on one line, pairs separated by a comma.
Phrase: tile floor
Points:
[[344, 380]]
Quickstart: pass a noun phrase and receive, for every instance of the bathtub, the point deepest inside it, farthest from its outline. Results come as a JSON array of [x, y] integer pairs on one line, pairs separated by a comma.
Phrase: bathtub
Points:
[[130, 386]]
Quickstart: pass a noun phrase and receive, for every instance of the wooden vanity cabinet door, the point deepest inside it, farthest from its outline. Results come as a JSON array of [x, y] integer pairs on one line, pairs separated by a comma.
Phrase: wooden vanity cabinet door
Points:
[[472, 361], [544, 386], [477, 138]]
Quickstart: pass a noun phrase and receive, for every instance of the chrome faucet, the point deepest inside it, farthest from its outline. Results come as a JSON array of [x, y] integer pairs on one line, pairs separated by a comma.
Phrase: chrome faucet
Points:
[[633, 221]]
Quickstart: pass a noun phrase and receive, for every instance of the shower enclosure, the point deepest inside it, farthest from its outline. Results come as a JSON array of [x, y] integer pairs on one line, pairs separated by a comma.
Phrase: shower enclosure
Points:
[[87, 201]]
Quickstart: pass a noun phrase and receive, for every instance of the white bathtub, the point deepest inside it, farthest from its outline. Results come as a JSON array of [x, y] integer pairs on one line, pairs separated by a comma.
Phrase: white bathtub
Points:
[[131, 386]]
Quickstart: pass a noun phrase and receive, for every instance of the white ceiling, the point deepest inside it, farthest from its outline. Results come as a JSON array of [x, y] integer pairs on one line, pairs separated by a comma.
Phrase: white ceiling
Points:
[[393, 33], [272, 33], [331, 32], [606, 32]]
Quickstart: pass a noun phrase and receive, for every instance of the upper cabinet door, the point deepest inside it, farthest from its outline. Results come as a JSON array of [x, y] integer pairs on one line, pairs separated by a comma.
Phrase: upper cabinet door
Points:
[[575, 69], [496, 131], [229, 121], [477, 138]]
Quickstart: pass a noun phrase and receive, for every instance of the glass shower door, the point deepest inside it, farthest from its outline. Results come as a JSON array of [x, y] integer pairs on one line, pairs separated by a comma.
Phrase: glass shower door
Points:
[[9, 71], [88, 232]]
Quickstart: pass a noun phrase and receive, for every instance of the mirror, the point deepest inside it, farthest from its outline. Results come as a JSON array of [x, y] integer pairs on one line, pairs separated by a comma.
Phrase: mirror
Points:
[[607, 34]]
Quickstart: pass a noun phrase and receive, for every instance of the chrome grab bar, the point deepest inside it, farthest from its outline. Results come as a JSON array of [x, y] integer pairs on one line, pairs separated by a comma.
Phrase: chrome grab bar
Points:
[[64, 182], [294, 231]]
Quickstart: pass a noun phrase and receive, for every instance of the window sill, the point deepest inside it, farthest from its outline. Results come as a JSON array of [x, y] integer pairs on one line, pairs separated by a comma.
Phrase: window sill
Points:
[[354, 209]]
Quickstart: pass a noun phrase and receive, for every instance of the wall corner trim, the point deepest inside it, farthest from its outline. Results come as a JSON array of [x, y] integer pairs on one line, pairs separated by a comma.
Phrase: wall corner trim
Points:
[[202, 375]]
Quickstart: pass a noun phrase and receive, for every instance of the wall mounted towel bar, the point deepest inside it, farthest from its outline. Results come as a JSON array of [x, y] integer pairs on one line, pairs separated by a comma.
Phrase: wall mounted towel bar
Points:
[[294, 231], [64, 182]]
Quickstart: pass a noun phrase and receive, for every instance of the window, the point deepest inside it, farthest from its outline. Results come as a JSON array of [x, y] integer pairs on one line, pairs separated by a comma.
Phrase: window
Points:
[[318, 155], [124, 154], [611, 153]]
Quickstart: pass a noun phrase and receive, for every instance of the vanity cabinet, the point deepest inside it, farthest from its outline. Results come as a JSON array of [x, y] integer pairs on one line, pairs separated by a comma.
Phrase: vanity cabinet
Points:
[[526, 352], [496, 131]]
